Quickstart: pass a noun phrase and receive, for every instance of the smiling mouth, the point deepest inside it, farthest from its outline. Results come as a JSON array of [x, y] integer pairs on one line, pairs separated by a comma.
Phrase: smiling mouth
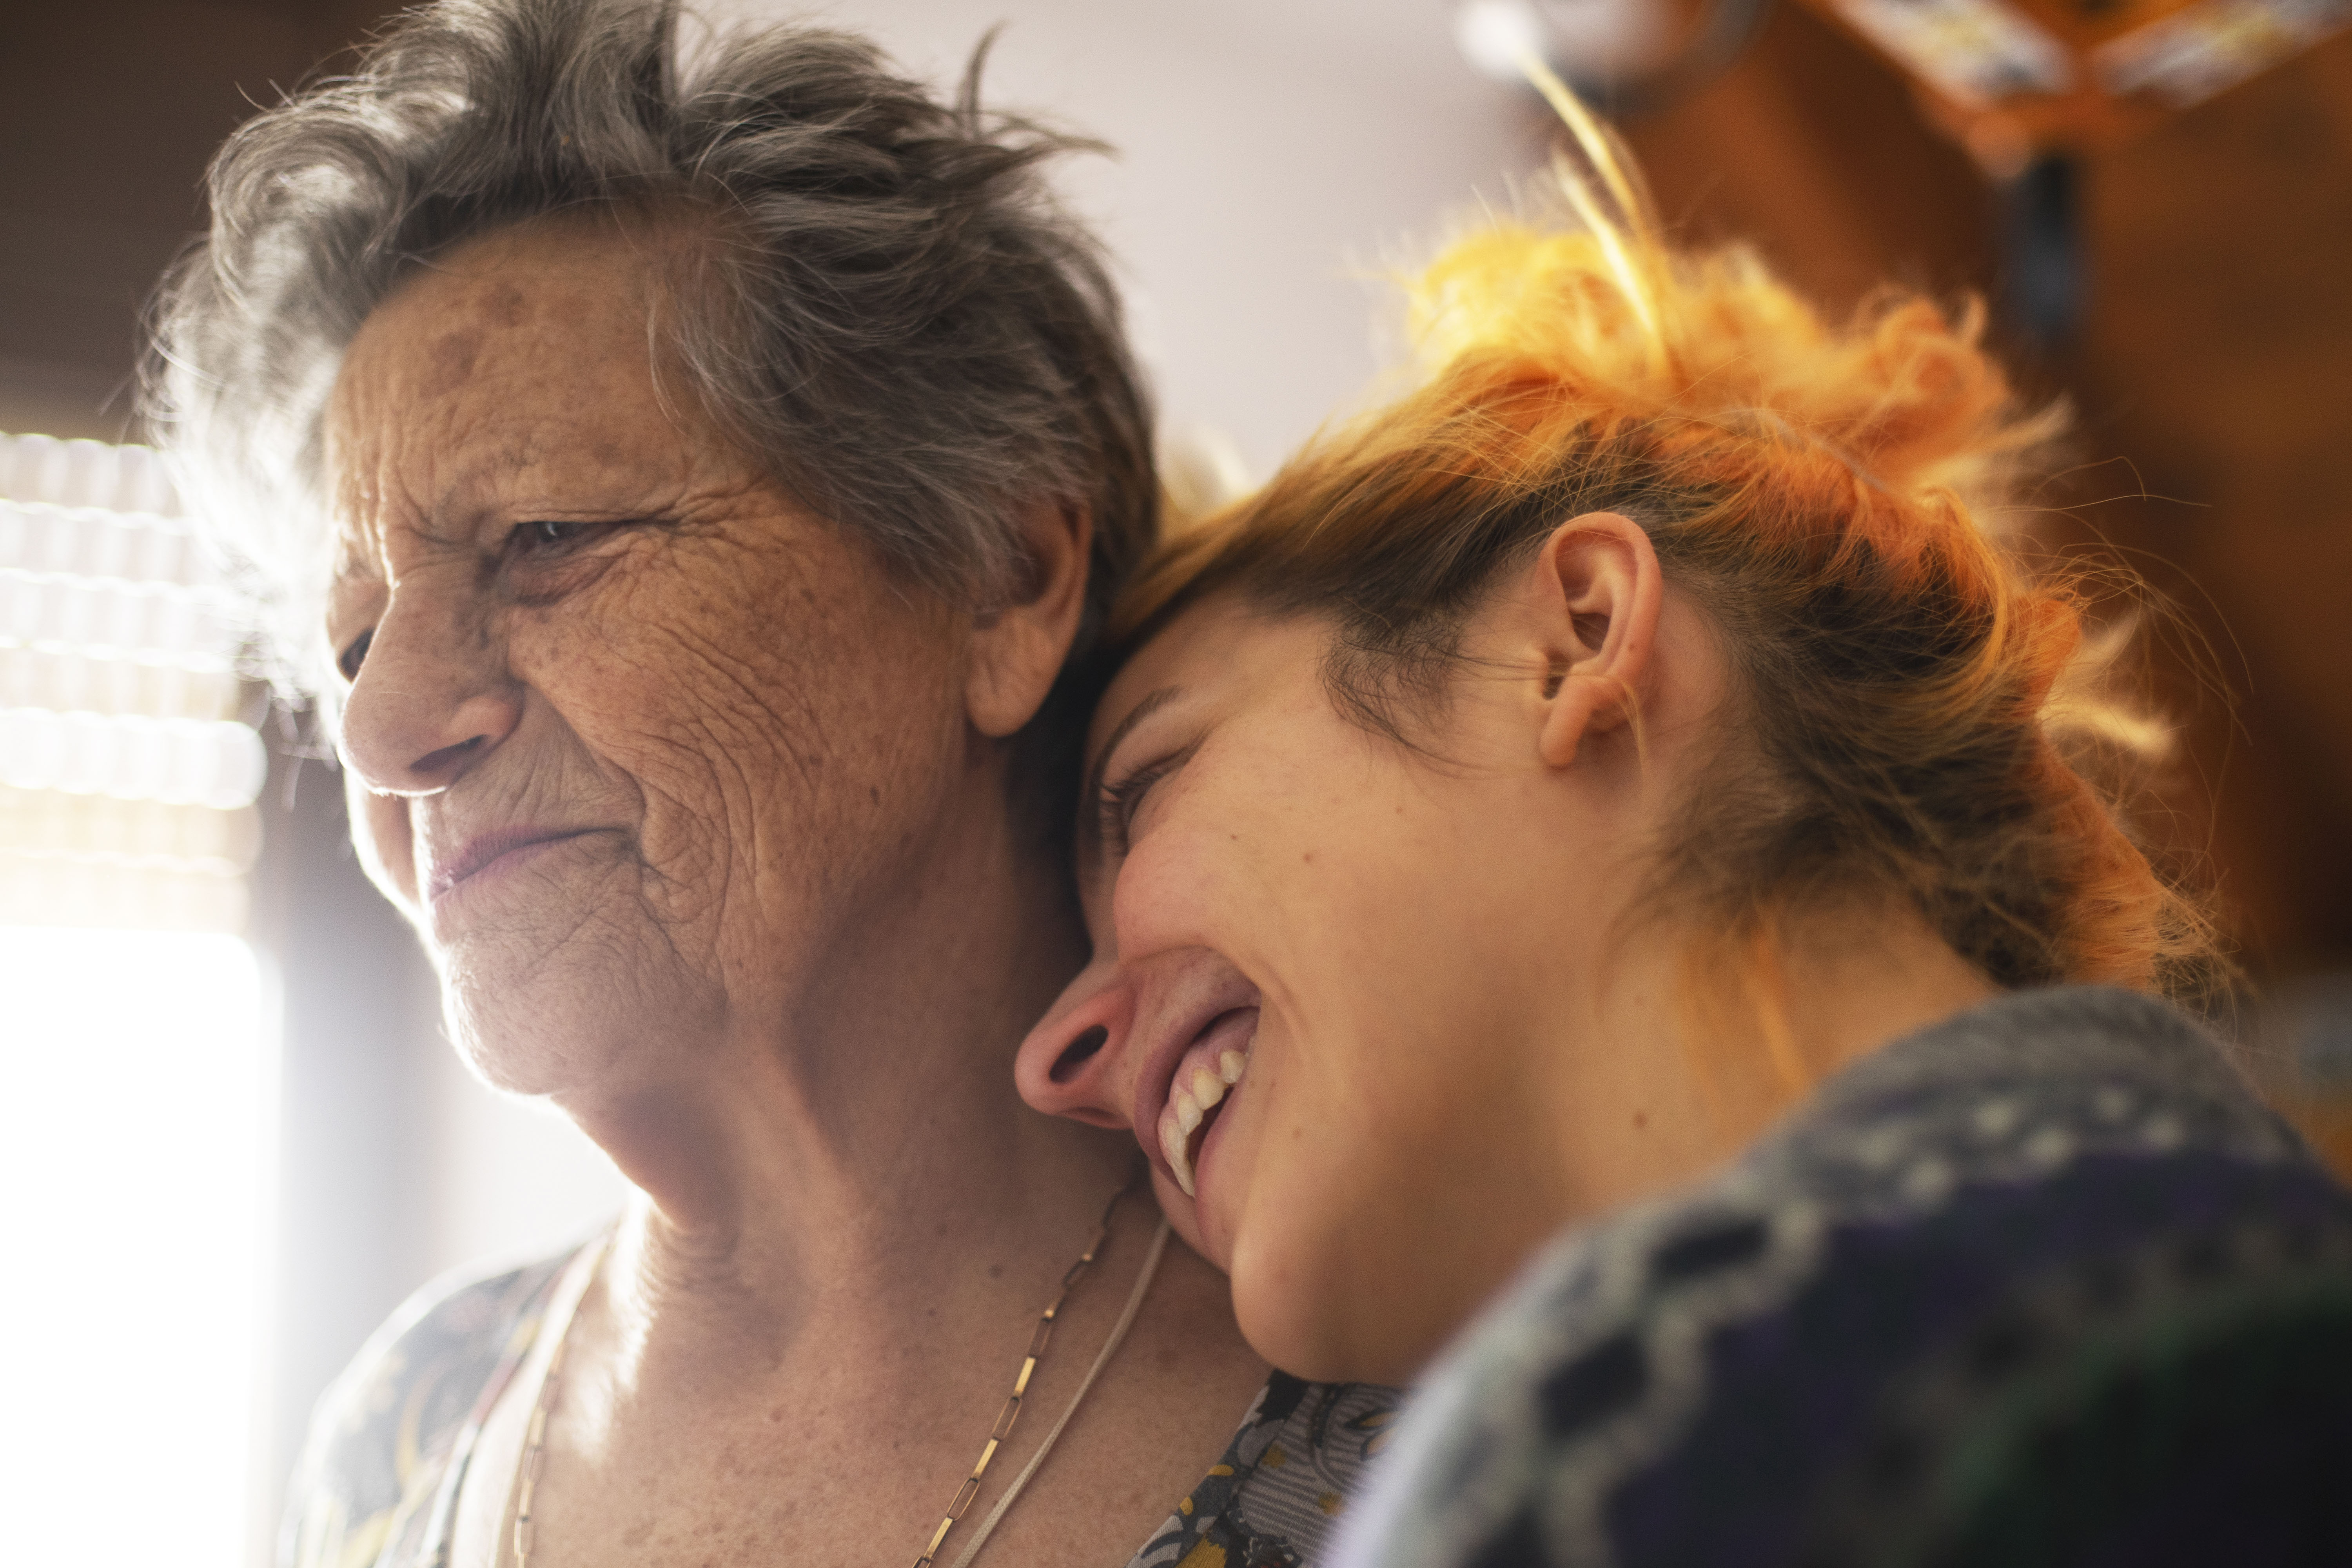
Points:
[[1204, 1080]]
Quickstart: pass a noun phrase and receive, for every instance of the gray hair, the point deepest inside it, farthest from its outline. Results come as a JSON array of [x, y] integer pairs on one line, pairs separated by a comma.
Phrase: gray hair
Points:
[[901, 323]]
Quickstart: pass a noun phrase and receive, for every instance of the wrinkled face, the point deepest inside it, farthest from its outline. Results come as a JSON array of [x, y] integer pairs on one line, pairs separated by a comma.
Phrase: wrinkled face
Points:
[[635, 741], [1306, 969]]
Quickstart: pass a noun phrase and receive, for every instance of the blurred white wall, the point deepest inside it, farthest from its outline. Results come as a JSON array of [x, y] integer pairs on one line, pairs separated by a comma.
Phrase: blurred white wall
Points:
[[511, 1178], [1272, 156]]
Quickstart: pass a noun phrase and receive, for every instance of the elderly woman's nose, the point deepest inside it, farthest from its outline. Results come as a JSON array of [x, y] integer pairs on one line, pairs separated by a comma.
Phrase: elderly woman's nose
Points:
[[432, 696], [1073, 1063]]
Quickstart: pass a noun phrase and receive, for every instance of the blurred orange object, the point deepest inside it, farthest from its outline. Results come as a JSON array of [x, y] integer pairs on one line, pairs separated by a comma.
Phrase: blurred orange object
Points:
[[2008, 78], [2324, 1119]]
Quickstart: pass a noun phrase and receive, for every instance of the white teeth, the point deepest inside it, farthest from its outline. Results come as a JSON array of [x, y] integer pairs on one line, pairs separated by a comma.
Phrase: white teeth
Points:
[[1188, 1105], [1171, 1143]]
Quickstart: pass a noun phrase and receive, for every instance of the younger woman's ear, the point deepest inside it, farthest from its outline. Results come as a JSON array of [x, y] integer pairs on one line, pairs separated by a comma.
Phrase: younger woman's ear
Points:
[[1018, 648], [1596, 591]]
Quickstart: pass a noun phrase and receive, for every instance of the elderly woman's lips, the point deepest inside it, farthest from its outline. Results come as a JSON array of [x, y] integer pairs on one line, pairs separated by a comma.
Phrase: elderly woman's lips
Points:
[[488, 849]]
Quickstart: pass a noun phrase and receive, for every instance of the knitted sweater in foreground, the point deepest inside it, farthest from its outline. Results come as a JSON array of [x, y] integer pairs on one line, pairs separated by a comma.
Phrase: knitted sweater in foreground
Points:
[[2040, 1285]]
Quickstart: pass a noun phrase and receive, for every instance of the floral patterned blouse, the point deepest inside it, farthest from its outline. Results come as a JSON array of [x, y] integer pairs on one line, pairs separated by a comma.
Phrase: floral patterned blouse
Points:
[[378, 1483]]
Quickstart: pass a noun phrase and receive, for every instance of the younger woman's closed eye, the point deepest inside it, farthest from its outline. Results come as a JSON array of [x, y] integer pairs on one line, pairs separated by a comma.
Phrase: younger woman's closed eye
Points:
[[1122, 797]]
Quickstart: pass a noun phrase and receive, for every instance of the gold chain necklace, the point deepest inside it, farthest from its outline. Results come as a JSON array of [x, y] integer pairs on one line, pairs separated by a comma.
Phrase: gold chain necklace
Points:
[[533, 1463]]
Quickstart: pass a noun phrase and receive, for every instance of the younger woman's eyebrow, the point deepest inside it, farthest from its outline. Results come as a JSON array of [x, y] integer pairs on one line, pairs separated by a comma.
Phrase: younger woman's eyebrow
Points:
[[1135, 715]]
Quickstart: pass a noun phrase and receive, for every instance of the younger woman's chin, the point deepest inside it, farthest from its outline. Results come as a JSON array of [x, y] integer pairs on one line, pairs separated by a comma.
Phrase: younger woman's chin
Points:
[[1183, 1217], [1282, 1324], [1312, 1323]]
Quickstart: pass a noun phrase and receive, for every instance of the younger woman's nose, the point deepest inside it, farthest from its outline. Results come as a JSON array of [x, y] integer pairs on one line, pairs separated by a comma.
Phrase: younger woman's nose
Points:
[[431, 696], [1070, 1063]]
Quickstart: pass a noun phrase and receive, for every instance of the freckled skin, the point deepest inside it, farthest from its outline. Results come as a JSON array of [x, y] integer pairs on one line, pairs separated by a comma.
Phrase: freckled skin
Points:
[[777, 969], [1360, 1081], [451, 365], [1462, 1043], [688, 679]]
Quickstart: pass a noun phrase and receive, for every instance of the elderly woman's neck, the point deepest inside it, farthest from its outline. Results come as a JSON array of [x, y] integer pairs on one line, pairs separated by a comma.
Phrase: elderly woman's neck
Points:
[[858, 1127]]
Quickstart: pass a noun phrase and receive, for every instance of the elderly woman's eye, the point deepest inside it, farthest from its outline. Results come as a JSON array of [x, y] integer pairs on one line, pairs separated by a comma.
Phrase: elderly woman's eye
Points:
[[352, 657], [544, 533]]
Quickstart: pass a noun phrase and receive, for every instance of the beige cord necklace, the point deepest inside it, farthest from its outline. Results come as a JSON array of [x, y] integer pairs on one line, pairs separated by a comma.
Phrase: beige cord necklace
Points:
[[565, 1311]]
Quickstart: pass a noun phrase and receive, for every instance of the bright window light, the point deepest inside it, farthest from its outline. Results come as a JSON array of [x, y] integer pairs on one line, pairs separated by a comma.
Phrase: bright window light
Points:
[[138, 1125], [134, 1150], [128, 770]]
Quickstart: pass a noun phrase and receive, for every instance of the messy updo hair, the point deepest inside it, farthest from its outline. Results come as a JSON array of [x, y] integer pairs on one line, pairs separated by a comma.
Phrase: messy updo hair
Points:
[[880, 300], [1917, 715]]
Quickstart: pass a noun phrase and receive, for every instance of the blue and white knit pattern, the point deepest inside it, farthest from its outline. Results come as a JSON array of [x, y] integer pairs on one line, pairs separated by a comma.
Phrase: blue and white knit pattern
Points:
[[1713, 1377]]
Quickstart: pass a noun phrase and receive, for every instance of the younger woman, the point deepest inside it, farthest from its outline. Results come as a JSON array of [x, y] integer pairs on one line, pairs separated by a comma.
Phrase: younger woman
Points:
[[1628, 805]]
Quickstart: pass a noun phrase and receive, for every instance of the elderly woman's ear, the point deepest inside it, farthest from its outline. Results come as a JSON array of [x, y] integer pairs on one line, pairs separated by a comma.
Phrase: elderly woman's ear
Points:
[[1017, 649]]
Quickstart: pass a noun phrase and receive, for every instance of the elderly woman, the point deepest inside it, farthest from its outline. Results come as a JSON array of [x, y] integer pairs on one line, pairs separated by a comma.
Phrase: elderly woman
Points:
[[682, 487]]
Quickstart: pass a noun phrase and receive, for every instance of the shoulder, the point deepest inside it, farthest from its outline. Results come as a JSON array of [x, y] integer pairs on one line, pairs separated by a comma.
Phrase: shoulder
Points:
[[1275, 1496], [383, 1432], [2014, 1297]]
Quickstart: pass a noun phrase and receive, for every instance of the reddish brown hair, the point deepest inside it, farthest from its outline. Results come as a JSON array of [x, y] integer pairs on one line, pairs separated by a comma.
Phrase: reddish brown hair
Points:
[[1919, 718]]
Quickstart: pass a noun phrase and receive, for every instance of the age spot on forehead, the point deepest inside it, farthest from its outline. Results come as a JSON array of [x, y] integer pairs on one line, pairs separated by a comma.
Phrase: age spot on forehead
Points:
[[452, 359]]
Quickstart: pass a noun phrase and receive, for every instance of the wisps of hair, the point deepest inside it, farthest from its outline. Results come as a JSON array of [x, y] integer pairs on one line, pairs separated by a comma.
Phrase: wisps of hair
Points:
[[891, 313], [1920, 717]]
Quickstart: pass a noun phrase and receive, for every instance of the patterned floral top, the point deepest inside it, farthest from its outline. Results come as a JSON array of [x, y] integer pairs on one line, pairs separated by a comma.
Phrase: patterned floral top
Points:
[[378, 1483], [2041, 1286]]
